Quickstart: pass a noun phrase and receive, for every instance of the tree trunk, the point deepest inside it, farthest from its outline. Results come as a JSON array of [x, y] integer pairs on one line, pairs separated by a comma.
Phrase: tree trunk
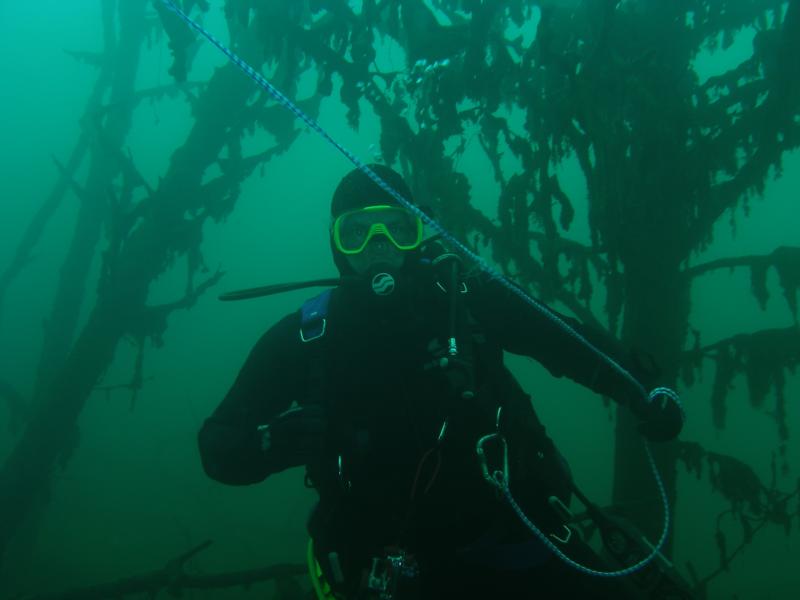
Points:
[[656, 322], [106, 139], [147, 252]]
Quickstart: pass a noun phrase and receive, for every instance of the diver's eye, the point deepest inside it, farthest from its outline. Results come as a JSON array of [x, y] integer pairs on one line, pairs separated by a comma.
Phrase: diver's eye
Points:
[[398, 227]]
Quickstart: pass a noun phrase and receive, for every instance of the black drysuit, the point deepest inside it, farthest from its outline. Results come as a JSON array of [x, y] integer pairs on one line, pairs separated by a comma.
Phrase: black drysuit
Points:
[[384, 480]]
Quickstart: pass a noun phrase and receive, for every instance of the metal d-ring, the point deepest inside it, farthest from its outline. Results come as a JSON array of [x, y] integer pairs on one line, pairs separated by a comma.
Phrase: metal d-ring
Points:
[[497, 478]]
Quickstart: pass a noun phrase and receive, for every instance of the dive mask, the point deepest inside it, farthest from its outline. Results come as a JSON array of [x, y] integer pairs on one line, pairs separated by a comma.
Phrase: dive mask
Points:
[[353, 229]]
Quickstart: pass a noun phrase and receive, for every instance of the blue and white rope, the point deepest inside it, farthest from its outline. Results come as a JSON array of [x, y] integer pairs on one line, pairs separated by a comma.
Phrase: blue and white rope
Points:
[[262, 82], [502, 485]]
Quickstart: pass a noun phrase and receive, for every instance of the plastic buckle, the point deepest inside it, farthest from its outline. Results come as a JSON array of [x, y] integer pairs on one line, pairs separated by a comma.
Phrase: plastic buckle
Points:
[[312, 317], [566, 538], [463, 289], [318, 335]]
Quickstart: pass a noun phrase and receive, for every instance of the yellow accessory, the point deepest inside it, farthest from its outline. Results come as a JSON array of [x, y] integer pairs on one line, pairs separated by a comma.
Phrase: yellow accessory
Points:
[[318, 582]]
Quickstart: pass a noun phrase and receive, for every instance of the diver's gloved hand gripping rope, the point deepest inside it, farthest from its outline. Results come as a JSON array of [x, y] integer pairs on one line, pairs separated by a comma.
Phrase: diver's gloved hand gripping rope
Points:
[[660, 400]]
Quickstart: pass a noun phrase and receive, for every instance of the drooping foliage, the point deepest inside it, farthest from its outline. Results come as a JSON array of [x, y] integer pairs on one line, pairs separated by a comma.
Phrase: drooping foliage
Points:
[[753, 504], [609, 84]]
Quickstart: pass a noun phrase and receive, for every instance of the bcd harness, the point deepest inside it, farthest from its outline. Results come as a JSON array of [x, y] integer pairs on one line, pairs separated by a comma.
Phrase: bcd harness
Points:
[[455, 358], [454, 355], [391, 573]]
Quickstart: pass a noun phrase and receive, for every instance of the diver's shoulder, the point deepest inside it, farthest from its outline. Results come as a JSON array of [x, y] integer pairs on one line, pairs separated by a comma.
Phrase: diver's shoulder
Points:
[[279, 333], [307, 310]]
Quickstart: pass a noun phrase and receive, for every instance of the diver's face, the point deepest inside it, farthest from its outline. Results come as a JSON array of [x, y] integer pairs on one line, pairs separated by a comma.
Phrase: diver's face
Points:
[[378, 251]]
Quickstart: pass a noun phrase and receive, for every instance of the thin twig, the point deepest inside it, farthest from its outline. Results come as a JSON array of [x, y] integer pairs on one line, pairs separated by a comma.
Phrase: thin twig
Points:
[[172, 578]]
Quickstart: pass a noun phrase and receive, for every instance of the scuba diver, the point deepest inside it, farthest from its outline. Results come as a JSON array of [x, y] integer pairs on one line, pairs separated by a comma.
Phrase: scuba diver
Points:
[[391, 390]]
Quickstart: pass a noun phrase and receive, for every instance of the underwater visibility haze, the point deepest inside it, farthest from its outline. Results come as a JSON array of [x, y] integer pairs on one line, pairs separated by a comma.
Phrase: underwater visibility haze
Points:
[[632, 164]]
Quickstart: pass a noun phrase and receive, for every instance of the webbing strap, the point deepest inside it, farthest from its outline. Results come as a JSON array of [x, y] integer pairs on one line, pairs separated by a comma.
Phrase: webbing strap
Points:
[[313, 313]]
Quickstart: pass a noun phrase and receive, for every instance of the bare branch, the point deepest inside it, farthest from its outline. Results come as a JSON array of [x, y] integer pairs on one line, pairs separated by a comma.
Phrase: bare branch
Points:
[[763, 357], [754, 505], [784, 259], [76, 188], [152, 322], [17, 407], [726, 263], [124, 162], [94, 59], [152, 93], [37, 225], [172, 579]]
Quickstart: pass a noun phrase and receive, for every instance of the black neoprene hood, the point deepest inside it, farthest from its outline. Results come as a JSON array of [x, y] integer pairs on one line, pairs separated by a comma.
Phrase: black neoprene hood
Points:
[[357, 190]]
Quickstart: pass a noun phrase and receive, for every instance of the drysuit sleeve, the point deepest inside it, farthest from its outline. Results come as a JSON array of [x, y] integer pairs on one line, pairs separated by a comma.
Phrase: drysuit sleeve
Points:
[[267, 384], [522, 329]]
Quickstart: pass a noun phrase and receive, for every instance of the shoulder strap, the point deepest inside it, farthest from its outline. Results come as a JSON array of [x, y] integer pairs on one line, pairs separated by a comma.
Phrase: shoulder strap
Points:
[[313, 317], [313, 326]]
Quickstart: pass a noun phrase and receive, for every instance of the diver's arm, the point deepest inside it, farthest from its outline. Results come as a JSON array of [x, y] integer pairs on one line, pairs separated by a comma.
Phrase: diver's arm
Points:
[[522, 329], [230, 441]]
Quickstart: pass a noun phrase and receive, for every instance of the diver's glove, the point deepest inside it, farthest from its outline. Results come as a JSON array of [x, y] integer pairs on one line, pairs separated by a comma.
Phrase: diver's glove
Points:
[[294, 437], [662, 415]]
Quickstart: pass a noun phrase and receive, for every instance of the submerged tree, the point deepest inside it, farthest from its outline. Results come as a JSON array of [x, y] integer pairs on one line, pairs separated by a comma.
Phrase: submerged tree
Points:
[[664, 157], [607, 84], [147, 229]]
